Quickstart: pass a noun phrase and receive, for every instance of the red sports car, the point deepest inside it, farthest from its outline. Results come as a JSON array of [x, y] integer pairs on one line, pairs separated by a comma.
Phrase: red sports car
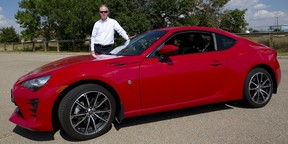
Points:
[[160, 70]]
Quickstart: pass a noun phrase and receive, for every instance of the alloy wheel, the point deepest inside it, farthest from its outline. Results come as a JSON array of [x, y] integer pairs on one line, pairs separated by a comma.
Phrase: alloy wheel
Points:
[[260, 88], [90, 113]]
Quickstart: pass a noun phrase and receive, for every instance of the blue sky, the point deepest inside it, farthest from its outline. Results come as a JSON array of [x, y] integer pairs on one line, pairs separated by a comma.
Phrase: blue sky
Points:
[[262, 12], [259, 12]]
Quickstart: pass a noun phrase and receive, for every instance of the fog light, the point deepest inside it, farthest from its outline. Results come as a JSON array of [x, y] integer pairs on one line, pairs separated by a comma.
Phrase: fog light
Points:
[[34, 104]]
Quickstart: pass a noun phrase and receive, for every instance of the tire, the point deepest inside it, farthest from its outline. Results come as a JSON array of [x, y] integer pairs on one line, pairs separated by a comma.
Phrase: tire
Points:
[[258, 88], [86, 112]]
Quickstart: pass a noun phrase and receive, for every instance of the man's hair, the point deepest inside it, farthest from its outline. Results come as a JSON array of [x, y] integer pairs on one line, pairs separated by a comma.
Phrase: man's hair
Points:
[[103, 6]]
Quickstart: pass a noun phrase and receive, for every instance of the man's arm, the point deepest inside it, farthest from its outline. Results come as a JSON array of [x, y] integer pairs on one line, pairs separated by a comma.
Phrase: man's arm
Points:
[[93, 39], [120, 30]]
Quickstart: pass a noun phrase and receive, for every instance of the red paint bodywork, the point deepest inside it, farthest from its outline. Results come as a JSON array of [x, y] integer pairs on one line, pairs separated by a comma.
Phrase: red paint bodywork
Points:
[[190, 80]]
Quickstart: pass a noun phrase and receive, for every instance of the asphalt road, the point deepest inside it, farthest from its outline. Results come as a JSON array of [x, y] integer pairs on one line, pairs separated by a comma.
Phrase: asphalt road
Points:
[[217, 124]]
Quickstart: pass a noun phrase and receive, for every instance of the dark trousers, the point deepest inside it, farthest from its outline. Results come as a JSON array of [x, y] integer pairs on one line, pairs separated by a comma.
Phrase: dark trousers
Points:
[[102, 49]]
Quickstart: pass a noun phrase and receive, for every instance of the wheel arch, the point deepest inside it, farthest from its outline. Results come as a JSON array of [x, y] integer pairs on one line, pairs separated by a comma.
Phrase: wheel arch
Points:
[[119, 107], [271, 72]]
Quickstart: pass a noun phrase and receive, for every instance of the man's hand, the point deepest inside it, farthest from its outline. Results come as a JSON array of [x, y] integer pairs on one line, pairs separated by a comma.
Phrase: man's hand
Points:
[[126, 43], [130, 37], [93, 54]]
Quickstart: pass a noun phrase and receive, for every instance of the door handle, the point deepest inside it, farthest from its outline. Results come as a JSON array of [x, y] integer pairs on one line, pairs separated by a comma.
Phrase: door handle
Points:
[[216, 63]]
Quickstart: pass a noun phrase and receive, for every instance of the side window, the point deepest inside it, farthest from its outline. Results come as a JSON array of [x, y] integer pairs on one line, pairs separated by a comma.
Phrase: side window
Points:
[[224, 42], [192, 42]]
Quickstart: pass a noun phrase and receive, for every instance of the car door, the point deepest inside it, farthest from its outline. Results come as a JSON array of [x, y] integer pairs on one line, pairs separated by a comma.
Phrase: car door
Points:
[[182, 78]]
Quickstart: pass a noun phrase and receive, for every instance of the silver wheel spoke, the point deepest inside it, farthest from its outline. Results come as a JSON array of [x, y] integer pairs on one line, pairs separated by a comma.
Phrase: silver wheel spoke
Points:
[[254, 95], [94, 124], [100, 117], [268, 86], [77, 102], [262, 91], [254, 83], [78, 115], [103, 111], [263, 97], [87, 100], [102, 102], [86, 130], [79, 122], [257, 77], [95, 102], [261, 78], [253, 89], [257, 98], [266, 81]]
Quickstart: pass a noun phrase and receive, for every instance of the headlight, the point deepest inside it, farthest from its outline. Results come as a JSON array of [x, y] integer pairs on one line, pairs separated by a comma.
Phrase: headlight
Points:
[[36, 83]]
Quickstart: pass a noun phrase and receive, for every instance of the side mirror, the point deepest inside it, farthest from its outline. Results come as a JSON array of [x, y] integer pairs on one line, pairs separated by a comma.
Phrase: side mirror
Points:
[[167, 50]]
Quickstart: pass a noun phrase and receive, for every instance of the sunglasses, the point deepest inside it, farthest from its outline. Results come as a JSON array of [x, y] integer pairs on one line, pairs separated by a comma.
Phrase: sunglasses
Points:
[[103, 11]]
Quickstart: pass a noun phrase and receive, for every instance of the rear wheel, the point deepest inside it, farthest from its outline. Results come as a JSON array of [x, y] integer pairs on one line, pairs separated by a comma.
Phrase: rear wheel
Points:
[[87, 111], [258, 88]]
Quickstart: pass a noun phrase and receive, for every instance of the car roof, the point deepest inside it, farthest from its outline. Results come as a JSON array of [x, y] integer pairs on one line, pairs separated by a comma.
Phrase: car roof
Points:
[[199, 28]]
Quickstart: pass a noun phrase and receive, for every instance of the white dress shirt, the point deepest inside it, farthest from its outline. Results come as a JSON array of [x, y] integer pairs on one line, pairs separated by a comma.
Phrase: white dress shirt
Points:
[[103, 32]]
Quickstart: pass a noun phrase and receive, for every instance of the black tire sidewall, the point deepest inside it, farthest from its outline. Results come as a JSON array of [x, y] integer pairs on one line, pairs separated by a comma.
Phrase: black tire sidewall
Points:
[[67, 102]]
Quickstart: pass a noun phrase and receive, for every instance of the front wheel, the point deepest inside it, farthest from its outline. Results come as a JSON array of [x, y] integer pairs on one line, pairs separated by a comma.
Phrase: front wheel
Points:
[[87, 111], [258, 88]]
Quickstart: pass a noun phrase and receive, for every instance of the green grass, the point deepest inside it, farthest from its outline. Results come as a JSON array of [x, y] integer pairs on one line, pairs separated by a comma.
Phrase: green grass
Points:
[[279, 42], [282, 53]]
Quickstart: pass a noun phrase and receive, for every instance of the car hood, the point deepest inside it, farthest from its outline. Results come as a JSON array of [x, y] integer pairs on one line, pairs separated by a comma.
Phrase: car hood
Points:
[[72, 60]]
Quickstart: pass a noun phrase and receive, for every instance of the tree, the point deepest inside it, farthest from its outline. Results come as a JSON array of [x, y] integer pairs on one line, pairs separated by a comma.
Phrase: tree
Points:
[[208, 11], [65, 19], [8, 35], [29, 18], [234, 21], [184, 12], [74, 19], [169, 12], [130, 14]]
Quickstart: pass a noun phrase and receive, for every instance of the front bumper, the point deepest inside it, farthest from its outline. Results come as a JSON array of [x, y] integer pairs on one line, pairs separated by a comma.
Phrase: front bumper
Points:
[[34, 108]]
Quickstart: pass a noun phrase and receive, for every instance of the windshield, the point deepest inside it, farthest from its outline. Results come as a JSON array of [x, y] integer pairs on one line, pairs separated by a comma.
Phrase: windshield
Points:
[[138, 44]]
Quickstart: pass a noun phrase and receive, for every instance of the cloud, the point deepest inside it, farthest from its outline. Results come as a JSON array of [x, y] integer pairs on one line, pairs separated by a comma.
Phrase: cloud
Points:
[[260, 6], [4, 22], [241, 4], [264, 14], [258, 13]]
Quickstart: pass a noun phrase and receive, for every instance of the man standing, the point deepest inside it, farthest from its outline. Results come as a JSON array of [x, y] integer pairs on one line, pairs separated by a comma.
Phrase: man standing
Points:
[[102, 37]]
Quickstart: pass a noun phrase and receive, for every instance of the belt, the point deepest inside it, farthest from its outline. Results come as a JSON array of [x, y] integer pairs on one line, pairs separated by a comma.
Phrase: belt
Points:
[[103, 46]]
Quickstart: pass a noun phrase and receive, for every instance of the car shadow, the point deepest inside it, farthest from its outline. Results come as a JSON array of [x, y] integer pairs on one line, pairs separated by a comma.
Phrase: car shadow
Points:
[[49, 136], [176, 114]]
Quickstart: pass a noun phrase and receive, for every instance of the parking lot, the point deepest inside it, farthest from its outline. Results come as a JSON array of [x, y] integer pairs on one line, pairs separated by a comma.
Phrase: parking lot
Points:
[[212, 124]]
